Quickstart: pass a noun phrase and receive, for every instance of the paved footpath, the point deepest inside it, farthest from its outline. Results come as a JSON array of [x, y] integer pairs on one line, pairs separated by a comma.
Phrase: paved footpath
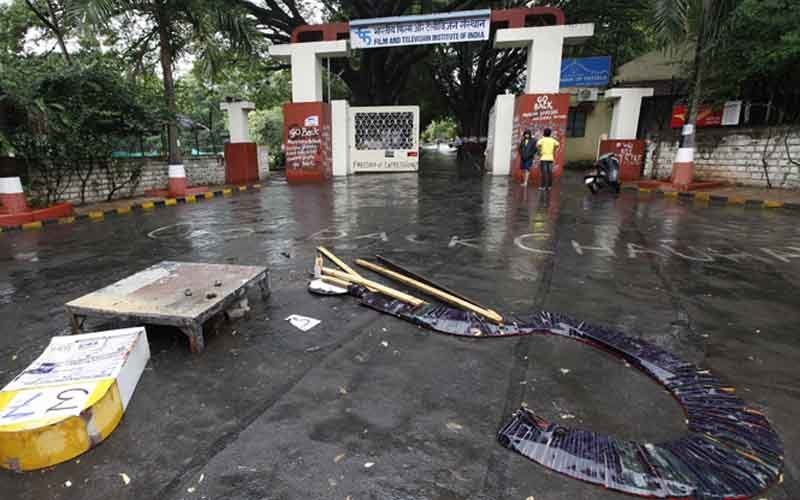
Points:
[[270, 412]]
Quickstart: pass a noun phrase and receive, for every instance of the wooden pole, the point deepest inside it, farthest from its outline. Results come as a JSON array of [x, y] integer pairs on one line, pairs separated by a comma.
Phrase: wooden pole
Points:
[[336, 281], [358, 280], [402, 270], [433, 292], [336, 260]]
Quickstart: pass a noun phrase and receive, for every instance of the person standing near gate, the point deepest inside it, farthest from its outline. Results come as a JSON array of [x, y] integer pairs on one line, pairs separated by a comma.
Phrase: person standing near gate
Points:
[[547, 148], [527, 150]]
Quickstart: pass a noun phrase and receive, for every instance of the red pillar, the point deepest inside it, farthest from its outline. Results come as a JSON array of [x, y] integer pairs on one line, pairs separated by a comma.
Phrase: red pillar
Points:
[[307, 140], [536, 112]]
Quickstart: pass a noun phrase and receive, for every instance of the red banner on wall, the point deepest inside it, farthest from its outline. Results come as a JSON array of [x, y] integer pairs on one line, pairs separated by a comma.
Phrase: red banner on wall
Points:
[[536, 112], [706, 116], [307, 141], [630, 153]]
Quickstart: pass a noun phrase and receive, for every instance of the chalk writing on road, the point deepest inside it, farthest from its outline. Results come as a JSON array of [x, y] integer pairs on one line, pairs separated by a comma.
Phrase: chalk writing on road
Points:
[[540, 244], [192, 231]]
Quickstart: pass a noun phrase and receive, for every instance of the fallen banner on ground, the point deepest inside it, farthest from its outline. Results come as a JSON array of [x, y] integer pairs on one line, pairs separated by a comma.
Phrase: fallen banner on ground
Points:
[[70, 398], [730, 449]]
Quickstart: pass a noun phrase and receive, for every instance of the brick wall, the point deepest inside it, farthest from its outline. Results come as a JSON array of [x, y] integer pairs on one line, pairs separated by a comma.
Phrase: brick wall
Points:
[[200, 171], [735, 155]]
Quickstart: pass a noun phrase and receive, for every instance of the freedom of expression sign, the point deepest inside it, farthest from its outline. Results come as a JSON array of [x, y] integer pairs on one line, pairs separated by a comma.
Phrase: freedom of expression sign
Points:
[[454, 27]]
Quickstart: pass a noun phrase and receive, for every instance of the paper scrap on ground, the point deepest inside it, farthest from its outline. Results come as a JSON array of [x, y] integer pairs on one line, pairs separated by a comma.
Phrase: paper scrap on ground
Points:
[[303, 323], [325, 288]]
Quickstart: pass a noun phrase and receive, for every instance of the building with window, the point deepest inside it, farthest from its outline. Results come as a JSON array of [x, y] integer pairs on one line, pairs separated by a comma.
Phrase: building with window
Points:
[[590, 113]]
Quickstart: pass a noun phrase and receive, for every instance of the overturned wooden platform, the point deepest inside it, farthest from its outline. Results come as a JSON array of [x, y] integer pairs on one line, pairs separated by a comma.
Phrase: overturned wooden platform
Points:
[[179, 294]]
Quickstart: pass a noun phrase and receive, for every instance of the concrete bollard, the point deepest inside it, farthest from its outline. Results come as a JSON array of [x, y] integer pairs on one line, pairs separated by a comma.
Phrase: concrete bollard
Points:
[[177, 181], [683, 167], [12, 197]]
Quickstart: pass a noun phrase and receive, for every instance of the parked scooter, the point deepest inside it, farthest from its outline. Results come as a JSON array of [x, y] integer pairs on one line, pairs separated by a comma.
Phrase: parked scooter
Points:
[[606, 174]]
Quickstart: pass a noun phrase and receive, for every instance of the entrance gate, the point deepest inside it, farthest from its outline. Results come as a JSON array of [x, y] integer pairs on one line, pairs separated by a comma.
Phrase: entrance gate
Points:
[[384, 139], [378, 141]]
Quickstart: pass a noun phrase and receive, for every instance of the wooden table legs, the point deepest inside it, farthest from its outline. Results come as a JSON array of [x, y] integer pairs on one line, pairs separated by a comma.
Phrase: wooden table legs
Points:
[[195, 334], [76, 322]]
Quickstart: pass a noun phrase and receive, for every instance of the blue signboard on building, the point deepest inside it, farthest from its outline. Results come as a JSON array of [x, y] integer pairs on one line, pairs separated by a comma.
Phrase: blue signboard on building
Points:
[[586, 71]]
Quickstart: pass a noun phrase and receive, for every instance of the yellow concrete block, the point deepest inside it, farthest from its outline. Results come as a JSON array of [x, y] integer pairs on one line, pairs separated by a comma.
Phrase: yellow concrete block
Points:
[[169, 202], [50, 417], [148, 205], [242, 188], [773, 204], [645, 190], [256, 186], [30, 226], [736, 200], [208, 195], [96, 215], [191, 199], [227, 192], [702, 196], [671, 194], [66, 220], [123, 210]]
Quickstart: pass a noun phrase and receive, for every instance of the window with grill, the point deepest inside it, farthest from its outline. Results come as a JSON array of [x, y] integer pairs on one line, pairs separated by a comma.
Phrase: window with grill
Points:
[[576, 123], [384, 130]]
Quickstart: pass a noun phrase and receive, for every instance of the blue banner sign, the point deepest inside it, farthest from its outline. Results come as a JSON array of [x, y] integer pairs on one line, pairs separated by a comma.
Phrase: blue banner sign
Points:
[[453, 27], [586, 71]]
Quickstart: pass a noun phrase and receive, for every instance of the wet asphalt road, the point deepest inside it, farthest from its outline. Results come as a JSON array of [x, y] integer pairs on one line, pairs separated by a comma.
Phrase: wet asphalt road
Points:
[[270, 412]]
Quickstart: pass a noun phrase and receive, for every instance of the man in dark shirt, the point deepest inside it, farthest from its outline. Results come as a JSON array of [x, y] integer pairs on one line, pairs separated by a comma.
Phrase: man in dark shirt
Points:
[[527, 150]]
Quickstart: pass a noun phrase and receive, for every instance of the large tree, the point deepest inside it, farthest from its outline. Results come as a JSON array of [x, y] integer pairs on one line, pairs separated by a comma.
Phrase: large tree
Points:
[[758, 57], [469, 76], [703, 22], [172, 28], [375, 76]]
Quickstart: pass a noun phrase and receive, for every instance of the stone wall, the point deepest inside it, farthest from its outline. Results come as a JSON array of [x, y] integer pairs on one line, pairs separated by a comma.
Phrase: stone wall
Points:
[[735, 155], [200, 171]]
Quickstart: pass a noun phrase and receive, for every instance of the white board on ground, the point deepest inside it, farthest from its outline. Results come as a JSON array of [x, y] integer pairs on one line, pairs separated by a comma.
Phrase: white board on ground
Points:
[[77, 391]]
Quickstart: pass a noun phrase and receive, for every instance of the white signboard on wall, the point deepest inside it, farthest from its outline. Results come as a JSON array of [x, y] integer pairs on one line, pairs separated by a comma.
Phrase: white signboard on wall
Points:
[[384, 139], [452, 27]]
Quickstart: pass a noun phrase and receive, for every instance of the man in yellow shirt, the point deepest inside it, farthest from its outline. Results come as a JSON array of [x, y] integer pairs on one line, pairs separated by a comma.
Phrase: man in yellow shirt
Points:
[[548, 149]]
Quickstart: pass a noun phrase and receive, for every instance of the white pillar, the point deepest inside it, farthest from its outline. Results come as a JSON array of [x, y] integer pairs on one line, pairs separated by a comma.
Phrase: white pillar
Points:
[[306, 60], [627, 107], [502, 129], [545, 45], [237, 119], [340, 147]]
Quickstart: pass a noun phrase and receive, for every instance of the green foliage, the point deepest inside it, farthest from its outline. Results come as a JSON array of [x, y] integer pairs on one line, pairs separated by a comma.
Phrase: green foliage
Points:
[[621, 28], [760, 55], [15, 19], [440, 130], [68, 119], [266, 127]]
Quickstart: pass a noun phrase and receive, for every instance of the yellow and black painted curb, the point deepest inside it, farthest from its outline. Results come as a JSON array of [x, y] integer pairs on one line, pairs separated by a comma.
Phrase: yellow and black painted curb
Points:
[[97, 215], [712, 199]]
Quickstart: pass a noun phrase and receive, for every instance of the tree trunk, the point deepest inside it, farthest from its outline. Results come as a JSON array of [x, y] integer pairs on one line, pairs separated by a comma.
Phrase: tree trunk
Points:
[[59, 32], [696, 91], [165, 48], [53, 25]]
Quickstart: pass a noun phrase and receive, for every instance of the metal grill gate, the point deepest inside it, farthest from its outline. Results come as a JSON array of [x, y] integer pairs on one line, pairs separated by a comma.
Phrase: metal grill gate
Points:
[[384, 138]]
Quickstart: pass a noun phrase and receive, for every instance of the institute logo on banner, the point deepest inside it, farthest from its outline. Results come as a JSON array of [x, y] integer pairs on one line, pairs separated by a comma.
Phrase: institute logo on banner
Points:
[[312, 121], [543, 103]]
